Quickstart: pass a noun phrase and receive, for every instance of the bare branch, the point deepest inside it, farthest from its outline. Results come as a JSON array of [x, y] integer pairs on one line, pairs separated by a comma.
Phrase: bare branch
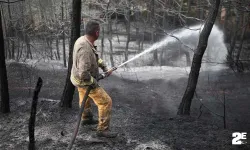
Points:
[[171, 35]]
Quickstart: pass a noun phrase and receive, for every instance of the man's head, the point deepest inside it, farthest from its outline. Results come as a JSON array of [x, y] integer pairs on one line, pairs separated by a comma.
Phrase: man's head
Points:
[[92, 29]]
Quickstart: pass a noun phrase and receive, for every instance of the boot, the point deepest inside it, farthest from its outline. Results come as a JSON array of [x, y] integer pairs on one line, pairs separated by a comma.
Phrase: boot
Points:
[[106, 133], [89, 122]]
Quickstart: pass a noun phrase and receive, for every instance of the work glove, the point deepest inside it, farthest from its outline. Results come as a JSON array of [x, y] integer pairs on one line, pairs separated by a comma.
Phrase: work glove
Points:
[[104, 75], [109, 72], [105, 69], [101, 76]]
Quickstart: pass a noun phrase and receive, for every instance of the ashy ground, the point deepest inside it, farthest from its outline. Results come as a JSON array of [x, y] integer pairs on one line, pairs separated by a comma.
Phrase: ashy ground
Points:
[[145, 102]]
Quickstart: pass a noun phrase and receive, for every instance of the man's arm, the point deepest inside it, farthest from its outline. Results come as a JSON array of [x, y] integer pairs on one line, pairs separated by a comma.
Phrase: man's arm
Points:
[[104, 67], [85, 66]]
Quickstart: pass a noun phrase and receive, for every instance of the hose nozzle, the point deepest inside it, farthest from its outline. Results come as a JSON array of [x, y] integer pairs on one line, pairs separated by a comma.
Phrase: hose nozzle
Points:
[[107, 73], [112, 69]]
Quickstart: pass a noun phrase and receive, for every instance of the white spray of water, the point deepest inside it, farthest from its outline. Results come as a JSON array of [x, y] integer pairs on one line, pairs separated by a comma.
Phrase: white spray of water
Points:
[[190, 37]]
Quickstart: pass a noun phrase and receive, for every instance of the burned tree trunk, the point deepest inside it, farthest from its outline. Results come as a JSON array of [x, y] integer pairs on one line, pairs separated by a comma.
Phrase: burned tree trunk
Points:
[[153, 33], [4, 27], [184, 108], [27, 41], [189, 6], [63, 38], [32, 119], [102, 42], [57, 48], [238, 63], [110, 35], [49, 44], [128, 29], [230, 57], [64, 50], [225, 14], [110, 42], [18, 49], [69, 89], [5, 106], [11, 33]]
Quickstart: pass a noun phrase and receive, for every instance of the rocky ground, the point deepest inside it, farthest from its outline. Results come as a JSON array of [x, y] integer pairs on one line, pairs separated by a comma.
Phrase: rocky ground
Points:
[[145, 103]]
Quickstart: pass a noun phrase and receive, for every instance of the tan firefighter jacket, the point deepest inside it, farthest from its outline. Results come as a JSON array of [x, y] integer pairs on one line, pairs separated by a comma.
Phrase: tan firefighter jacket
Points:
[[85, 63]]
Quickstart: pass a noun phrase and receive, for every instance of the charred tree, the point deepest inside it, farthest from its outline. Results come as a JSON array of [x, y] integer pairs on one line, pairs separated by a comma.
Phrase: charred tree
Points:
[[57, 48], [11, 33], [27, 41], [18, 49], [128, 12], [110, 35], [4, 27], [110, 42], [102, 42], [5, 106], [63, 38], [164, 19], [153, 36], [32, 119], [184, 108], [69, 89], [49, 45], [238, 63], [225, 16], [31, 13], [231, 51], [189, 6]]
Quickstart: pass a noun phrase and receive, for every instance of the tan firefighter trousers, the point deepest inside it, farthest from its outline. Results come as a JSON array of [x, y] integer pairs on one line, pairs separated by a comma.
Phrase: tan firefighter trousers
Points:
[[103, 102]]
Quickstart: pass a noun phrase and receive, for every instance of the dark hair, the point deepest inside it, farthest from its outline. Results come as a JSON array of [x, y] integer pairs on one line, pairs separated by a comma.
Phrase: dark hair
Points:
[[92, 27]]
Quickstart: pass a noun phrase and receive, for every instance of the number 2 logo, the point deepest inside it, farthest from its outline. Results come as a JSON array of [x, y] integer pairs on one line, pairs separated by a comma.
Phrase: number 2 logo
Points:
[[236, 138]]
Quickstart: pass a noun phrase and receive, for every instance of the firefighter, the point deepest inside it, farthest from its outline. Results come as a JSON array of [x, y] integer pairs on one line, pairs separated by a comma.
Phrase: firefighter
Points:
[[84, 73]]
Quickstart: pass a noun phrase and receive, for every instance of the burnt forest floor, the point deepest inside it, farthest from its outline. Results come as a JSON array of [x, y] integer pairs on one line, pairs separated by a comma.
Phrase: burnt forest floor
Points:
[[143, 113]]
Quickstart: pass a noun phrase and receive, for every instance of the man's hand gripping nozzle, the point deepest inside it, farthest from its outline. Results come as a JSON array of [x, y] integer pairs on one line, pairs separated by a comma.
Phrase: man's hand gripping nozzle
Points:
[[107, 73]]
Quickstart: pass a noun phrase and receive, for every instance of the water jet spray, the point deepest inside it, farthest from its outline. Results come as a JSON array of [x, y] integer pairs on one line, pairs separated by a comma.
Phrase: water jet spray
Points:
[[185, 36]]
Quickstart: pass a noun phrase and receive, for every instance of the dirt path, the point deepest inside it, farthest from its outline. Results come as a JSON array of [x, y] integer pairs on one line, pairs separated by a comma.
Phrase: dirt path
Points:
[[143, 114]]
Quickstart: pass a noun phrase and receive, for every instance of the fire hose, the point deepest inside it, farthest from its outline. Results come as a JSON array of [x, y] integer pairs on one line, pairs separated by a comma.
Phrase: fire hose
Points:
[[102, 76]]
